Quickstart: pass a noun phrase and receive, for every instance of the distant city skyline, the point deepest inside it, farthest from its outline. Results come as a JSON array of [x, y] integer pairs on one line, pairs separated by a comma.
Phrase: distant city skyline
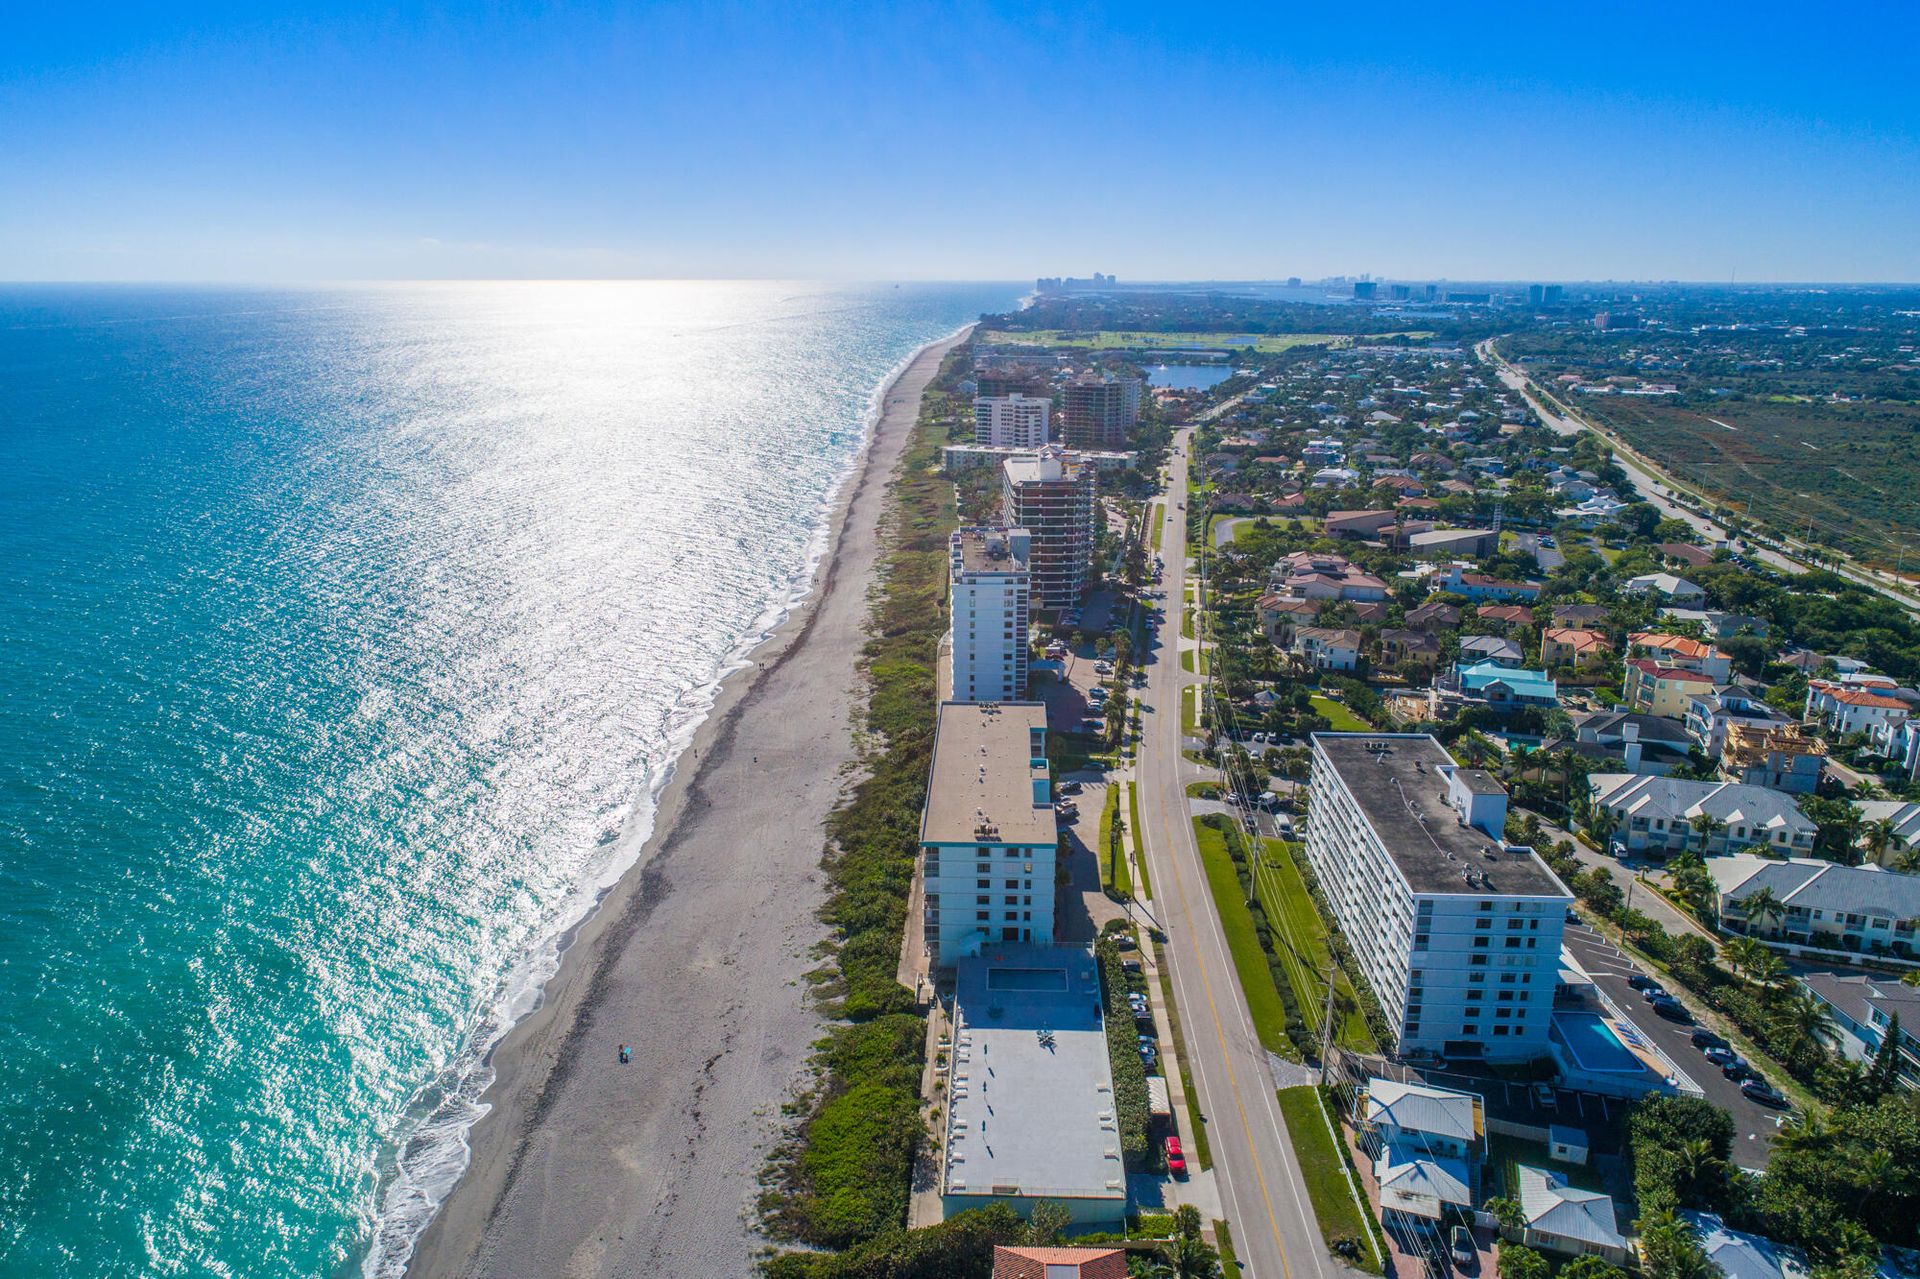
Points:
[[987, 141]]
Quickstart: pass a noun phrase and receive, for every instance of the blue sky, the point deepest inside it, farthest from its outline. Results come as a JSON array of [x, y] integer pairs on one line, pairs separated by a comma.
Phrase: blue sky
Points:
[[901, 141]]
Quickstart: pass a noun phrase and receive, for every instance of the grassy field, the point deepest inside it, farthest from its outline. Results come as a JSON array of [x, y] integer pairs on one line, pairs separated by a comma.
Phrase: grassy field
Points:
[[1134, 339], [1133, 817], [1158, 510], [1113, 870], [1336, 713], [1303, 950], [1852, 468], [1504, 1153], [1249, 961], [1325, 1173], [1223, 1244]]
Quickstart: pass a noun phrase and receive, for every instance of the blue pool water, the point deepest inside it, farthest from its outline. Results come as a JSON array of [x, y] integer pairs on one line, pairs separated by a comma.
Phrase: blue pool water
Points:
[[1593, 1044]]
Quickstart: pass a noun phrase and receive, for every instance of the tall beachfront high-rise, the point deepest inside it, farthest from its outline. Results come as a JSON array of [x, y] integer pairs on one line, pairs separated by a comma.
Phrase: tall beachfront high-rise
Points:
[[1051, 495], [1098, 412], [1011, 421], [1457, 931], [988, 830], [989, 587]]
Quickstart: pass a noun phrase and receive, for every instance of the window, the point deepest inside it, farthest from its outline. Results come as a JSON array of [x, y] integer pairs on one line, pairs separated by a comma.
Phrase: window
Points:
[[983, 901], [1513, 943], [983, 883], [1011, 883], [1507, 979], [1499, 1030], [982, 915], [1483, 923], [1013, 899], [1474, 995], [1471, 1028], [1478, 961], [1479, 943]]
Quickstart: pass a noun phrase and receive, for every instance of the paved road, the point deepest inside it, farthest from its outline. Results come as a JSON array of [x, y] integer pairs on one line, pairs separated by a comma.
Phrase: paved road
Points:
[[1753, 1124], [1658, 490], [1547, 557], [1274, 1232]]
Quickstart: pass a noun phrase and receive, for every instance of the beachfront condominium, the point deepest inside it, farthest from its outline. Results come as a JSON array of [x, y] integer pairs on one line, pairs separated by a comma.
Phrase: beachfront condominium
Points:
[[1098, 412], [1457, 931], [1051, 495], [988, 585], [1011, 421], [988, 833]]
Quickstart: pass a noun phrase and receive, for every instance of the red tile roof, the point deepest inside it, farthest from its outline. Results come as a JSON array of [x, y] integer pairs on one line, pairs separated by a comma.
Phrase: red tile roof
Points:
[[1647, 666], [1032, 1263]]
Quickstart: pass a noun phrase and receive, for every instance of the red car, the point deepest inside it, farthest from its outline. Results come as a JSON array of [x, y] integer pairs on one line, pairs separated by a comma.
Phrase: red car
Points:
[[1176, 1160]]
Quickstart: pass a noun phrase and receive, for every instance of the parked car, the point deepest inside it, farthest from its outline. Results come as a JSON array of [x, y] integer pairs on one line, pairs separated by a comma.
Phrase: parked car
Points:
[[1735, 1069], [1071, 788], [1640, 981], [1462, 1249], [1707, 1039], [1758, 1089], [1653, 991], [1722, 1056], [1672, 1009], [1545, 1097], [1176, 1158]]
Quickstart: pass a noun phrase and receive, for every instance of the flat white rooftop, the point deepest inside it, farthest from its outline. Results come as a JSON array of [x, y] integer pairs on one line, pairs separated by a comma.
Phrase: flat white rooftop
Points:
[[1030, 1089]]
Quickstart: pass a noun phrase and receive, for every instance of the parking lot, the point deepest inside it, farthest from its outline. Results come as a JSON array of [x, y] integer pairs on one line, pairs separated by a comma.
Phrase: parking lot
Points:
[[1753, 1124]]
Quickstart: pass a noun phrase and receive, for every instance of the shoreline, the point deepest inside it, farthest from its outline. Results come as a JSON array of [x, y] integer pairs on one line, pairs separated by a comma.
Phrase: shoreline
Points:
[[582, 1165]]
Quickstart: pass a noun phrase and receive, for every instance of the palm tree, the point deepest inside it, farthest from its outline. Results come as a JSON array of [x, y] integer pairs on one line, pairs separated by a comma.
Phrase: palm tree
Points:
[[1601, 826], [1768, 971], [1879, 837], [1706, 826], [1761, 904], [1805, 1132], [1805, 1017], [1743, 953]]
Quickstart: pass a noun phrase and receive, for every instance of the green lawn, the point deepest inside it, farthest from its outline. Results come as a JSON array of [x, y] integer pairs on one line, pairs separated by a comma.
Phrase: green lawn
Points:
[[1133, 816], [1325, 1173], [1249, 961], [1157, 513], [1504, 1152], [1110, 873], [1189, 717], [1304, 953], [1336, 713], [1223, 1244]]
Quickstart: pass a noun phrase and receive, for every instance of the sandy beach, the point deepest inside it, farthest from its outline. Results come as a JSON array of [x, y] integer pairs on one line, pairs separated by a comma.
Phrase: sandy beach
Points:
[[588, 1167]]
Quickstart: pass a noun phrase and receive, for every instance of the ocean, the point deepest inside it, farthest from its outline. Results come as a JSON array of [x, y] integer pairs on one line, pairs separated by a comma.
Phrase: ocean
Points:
[[346, 637]]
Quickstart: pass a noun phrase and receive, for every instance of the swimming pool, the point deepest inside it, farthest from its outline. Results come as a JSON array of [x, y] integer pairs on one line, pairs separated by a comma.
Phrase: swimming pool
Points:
[[1593, 1044], [1046, 979]]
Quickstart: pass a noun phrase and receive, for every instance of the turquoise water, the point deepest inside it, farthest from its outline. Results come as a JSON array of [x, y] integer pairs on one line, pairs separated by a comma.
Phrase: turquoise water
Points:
[[348, 635], [1188, 377], [1593, 1043]]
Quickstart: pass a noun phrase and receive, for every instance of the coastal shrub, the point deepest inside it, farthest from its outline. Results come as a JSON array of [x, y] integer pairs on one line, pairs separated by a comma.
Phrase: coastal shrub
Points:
[[1678, 1149], [960, 1247], [1129, 1074], [858, 1162]]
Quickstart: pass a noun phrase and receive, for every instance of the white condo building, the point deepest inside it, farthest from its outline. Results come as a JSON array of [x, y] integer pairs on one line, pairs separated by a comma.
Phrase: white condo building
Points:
[[988, 589], [988, 831], [1011, 421], [1457, 931]]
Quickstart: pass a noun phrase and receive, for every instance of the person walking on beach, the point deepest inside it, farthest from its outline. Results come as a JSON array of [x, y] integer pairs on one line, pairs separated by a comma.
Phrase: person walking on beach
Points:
[[626, 1054]]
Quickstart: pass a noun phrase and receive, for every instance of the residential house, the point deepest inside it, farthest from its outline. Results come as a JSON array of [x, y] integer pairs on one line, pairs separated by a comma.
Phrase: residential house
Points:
[[1571, 646], [1681, 653], [1718, 622], [1904, 818], [1059, 1263], [1437, 616], [1865, 1009], [1656, 814], [1427, 1144], [1580, 615], [1823, 904], [1478, 586], [1626, 742], [1561, 1217], [1663, 690], [1712, 713], [1506, 614], [1677, 589], [1370, 612], [1684, 553], [1321, 576], [1328, 648], [1735, 1254], [1497, 649], [1844, 707], [1504, 688], [1784, 757], [1279, 614], [1409, 648]]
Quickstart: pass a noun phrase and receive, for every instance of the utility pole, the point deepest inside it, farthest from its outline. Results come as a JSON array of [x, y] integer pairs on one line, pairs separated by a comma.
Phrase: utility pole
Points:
[[1326, 1024]]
